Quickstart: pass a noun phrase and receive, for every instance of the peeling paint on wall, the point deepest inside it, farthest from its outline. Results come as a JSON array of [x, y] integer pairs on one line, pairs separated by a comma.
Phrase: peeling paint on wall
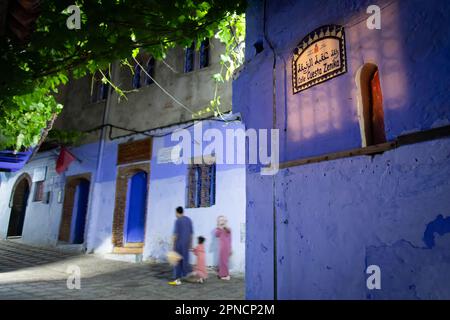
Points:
[[440, 225]]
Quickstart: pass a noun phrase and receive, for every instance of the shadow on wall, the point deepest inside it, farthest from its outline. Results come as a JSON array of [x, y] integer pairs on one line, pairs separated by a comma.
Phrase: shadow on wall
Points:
[[325, 118]]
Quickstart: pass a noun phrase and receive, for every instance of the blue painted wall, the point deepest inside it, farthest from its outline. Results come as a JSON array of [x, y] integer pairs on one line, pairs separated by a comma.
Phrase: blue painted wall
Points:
[[336, 218], [411, 51]]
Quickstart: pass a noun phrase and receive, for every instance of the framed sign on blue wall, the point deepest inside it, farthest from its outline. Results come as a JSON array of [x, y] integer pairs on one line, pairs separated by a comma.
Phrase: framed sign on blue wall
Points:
[[319, 57]]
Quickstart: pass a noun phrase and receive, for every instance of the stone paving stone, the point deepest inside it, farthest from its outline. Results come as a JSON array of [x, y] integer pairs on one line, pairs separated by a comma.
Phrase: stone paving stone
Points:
[[28, 272]]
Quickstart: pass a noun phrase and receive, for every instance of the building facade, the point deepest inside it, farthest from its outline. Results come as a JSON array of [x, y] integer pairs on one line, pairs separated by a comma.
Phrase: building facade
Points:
[[363, 115], [118, 197]]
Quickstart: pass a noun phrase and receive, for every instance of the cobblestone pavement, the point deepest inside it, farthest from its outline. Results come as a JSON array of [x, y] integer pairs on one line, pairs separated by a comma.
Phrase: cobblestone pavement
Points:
[[28, 272]]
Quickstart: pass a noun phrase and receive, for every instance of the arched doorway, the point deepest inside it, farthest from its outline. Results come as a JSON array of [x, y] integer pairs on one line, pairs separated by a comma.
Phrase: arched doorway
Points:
[[76, 200], [21, 191], [135, 211], [80, 205]]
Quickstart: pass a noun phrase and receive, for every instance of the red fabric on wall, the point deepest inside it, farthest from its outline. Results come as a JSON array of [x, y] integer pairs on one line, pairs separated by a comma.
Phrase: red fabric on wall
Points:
[[65, 158], [378, 131]]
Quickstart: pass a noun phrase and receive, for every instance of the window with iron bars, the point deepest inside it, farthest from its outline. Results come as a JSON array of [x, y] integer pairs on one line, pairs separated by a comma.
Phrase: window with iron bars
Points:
[[190, 56], [201, 188], [39, 191]]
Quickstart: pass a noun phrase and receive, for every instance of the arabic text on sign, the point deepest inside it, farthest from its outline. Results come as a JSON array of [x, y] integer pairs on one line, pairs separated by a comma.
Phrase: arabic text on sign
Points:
[[322, 58]]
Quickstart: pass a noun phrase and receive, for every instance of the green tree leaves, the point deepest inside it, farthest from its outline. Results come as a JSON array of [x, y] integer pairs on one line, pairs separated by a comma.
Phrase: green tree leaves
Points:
[[23, 117], [110, 30]]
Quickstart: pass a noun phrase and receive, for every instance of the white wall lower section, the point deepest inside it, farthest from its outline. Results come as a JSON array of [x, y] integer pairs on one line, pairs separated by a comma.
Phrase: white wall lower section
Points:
[[166, 194]]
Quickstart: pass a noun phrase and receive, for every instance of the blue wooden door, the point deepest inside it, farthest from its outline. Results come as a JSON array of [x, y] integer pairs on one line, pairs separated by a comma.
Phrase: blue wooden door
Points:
[[80, 206], [137, 195]]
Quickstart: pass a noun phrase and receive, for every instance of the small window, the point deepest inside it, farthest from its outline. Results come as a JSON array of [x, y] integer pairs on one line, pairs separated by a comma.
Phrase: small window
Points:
[[204, 53], [212, 184], [201, 186], [104, 87], [370, 106], [100, 89], [197, 187], [150, 71], [137, 77], [38, 191], [189, 58]]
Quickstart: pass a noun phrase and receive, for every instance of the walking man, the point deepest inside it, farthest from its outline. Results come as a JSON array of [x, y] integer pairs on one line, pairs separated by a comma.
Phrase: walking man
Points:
[[182, 243]]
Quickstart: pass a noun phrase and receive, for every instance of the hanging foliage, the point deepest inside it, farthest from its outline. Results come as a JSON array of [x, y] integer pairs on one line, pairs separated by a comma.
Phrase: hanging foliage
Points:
[[31, 71]]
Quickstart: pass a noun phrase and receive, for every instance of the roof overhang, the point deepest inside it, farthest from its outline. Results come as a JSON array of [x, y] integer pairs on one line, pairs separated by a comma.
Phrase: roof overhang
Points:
[[11, 161]]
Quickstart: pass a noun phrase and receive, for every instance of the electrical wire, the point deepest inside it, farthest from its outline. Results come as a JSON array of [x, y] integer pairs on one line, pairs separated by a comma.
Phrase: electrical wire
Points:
[[169, 66], [164, 90], [146, 132]]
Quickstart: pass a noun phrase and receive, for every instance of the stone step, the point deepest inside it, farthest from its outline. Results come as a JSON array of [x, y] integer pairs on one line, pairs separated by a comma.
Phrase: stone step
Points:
[[14, 239], [133, 258], [71, 248], [127, 250], [134, 245]]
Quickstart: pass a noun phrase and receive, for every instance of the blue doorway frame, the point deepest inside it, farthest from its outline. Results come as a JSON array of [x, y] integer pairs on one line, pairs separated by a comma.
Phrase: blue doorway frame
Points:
[[78, 223], [135, 211]]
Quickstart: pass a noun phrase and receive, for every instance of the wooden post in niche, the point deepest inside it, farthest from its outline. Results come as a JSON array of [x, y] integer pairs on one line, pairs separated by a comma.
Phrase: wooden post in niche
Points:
[[377, 113]]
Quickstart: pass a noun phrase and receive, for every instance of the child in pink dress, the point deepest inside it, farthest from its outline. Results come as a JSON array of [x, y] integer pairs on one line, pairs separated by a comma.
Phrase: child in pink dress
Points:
[[223, 232], [200, 268]]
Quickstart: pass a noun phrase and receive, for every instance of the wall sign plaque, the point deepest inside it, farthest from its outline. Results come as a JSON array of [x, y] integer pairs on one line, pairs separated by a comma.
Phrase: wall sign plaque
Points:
[[39, 174], [320, 56], [169, 154]]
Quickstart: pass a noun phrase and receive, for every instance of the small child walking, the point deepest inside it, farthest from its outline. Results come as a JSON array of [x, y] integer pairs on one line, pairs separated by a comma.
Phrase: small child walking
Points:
[[200, 268]]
